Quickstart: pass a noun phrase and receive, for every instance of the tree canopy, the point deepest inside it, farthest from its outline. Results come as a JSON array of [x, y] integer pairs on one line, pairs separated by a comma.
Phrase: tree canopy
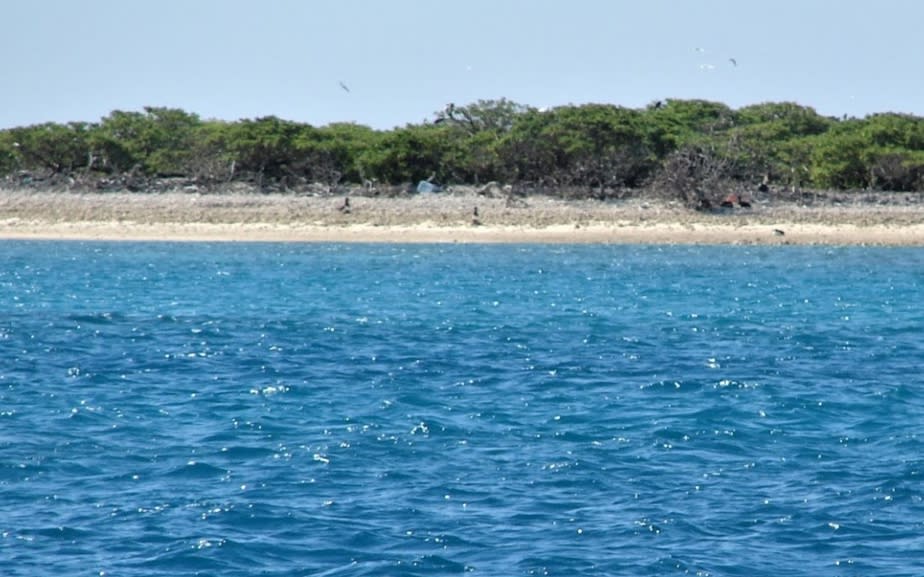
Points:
[[602, 149]]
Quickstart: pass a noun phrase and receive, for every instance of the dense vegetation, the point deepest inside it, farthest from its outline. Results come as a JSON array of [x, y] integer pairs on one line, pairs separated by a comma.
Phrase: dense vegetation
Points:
[[692, 149]]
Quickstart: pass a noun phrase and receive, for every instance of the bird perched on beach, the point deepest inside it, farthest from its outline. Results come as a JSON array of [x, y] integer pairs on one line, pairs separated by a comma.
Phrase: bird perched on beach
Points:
[[345, 207], [475, 220], [778, 232]]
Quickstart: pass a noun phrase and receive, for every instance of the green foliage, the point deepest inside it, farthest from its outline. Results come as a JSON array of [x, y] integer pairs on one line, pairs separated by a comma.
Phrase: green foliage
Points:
[[56, 148], [883, 151], [211, 159], [602, 145], [526, 154], [894, 131], [168, 140], [765, 143], [594, 145], [895, 151], [265, 147], [332, 153], [897, 170], [408, 154], [495, 116], [839, 159], [8, 154], [784, 120], [597, 147], [159, 141], [672, 124], [474, 134], [475, 158]]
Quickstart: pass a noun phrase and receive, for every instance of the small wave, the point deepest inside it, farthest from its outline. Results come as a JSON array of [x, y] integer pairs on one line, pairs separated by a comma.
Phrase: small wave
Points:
[[197, 470], [672, 386], [97, 319]]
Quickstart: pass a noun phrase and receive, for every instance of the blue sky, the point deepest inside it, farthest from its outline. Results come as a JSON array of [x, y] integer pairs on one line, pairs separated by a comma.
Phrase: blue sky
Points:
[[402, 60]]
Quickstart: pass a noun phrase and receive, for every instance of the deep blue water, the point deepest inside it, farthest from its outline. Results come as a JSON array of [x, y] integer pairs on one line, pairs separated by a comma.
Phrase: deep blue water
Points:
[[297, 409]]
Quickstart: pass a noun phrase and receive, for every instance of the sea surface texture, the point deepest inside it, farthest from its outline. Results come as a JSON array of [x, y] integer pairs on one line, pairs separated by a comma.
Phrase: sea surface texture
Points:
[[171, 409]]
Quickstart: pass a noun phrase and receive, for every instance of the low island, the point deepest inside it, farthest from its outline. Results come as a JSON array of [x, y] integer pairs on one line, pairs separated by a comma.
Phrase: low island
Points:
[[675, 171]]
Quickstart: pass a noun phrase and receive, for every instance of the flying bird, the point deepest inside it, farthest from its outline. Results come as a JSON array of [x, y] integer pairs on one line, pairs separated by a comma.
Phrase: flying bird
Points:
[[733, 61], [344, 86]]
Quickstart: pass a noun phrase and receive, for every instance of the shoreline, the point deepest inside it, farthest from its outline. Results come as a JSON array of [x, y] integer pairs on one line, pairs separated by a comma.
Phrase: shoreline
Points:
[[443, 218]]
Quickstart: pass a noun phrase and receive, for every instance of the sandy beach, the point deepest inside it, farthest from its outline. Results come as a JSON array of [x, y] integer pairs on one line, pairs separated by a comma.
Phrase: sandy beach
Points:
[[447, 218]]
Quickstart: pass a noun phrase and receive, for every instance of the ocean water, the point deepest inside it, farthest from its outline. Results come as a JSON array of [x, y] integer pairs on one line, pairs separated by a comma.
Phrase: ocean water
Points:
[[172, 409]]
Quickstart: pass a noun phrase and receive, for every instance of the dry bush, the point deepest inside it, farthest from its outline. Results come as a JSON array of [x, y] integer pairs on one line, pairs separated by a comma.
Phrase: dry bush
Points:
[[697, 177]]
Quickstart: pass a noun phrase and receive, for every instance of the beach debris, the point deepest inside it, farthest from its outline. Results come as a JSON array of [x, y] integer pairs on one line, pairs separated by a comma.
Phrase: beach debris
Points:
[[493, 190], [515, 202], [514, 198], [427, 186], [371, 186], [778, 232]]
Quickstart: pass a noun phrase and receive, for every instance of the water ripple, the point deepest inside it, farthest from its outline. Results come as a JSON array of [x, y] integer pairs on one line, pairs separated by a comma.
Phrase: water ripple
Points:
[[426, 410]]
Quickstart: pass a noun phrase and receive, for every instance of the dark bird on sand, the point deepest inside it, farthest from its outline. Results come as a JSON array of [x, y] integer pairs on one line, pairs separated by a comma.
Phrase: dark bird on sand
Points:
[[345, 207], [778, 232]]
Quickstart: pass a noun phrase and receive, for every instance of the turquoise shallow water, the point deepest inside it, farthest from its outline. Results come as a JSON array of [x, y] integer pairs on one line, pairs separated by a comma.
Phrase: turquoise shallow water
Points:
[[285, 409]]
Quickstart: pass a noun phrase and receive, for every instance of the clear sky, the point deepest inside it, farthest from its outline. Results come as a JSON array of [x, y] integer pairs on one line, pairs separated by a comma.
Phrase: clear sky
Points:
[[402, 60]]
